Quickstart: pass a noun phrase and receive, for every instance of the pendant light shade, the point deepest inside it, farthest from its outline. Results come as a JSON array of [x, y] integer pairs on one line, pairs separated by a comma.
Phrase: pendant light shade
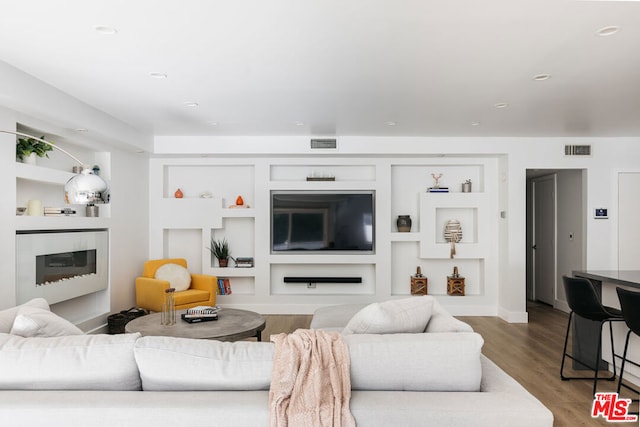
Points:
[[86, 188]]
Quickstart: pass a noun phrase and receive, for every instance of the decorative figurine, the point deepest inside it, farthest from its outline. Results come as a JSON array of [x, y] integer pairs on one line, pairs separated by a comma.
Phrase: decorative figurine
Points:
[[436, 183], [178, 194], [455, 283], [418, 283], [453, 234], [239, 201]]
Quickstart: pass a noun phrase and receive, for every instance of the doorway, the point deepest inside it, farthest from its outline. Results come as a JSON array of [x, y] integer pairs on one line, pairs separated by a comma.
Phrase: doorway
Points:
[[556, 230]]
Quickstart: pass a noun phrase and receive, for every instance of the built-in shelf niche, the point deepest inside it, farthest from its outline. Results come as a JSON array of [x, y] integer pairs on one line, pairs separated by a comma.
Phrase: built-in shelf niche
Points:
[[339, 172], [223, 181]]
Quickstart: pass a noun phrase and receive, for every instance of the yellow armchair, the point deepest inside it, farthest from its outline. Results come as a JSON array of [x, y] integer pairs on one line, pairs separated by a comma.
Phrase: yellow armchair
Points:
[[150, 291]]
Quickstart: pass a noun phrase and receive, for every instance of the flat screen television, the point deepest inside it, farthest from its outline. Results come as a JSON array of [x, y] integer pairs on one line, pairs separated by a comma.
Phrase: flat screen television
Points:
[[322, 221]]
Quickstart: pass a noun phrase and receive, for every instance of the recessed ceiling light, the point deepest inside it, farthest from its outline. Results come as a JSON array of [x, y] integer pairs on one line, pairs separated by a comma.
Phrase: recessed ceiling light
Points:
[[190, 104], [541, 77], [390, 123], [475, 123], [501, 105], [103, 29], [212, 123], [299, 123], [607, 31], [158, 75]]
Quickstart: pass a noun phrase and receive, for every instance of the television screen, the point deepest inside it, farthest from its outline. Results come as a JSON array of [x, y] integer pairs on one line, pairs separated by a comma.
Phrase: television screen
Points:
[[322, 221]]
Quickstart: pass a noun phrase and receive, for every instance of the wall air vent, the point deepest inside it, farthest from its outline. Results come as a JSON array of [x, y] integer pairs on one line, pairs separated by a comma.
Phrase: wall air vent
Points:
[[323, 143], [577, 150]]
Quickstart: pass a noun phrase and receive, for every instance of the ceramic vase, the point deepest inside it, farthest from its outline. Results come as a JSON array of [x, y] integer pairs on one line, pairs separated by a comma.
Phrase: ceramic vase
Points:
[[403, 223]]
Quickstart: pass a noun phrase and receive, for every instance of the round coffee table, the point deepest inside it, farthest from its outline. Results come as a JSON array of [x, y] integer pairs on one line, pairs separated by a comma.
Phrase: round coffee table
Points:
[[232, 325]]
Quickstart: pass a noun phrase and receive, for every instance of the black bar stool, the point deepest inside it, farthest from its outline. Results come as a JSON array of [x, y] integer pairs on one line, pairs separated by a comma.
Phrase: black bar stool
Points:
[[630, 305], [584, 302]]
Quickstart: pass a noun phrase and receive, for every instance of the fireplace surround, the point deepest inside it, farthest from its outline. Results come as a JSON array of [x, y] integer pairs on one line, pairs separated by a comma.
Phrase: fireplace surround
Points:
[[60, 265]]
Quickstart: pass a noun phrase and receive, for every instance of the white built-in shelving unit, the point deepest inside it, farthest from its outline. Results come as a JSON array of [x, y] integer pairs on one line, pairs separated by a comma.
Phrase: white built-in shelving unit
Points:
[[184, 227]]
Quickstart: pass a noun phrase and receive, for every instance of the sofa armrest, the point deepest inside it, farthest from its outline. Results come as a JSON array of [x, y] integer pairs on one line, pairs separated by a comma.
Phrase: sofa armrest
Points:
[[150, 293]]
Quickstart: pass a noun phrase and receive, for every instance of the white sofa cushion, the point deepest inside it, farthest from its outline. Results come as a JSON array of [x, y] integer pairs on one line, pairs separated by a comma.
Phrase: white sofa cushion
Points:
[[408, 315], [76, 362], [8, 316], [442, 321], [416, 362], [37, 322], [189, 364], [178, 276]]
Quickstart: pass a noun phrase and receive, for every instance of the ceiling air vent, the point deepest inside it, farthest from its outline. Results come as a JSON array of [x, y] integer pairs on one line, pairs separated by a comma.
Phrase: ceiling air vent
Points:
[[323, 143], [577, 150]]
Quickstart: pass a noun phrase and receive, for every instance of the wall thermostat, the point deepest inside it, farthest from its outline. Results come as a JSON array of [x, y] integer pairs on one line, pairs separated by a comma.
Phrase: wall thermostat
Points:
[[600, 213]]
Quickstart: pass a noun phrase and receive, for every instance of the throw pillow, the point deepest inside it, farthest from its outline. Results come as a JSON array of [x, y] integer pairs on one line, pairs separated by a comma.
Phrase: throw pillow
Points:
[[409, 315], [36, 322], [8, 316], [177, 276]]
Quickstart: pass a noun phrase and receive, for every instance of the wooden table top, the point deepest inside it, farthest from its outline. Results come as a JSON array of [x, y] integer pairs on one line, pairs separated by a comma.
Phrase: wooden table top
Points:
[[232, 325]]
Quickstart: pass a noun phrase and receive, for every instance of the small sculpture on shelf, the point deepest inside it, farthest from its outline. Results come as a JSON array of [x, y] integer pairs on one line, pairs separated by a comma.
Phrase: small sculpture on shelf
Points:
[[466, 186], [436, 185], [453, 234], [455, 283], [178, 194], [418, 283]]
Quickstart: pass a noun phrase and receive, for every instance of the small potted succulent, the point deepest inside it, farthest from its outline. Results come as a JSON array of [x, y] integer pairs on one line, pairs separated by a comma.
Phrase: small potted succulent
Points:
[[220, 250], [28, 148]]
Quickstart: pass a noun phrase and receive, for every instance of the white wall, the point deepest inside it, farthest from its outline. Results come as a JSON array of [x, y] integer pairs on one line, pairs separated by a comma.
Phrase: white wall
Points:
[[520, 154]]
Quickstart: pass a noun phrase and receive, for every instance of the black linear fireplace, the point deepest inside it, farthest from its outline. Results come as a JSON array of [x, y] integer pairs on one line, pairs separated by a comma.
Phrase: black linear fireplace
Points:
[[59, 266]]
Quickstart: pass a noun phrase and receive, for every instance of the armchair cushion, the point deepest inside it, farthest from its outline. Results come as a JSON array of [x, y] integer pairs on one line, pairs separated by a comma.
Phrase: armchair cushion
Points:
[[178, 276]]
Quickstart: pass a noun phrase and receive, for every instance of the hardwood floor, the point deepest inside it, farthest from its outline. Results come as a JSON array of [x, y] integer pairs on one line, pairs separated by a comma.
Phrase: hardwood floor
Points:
[[530, 353]]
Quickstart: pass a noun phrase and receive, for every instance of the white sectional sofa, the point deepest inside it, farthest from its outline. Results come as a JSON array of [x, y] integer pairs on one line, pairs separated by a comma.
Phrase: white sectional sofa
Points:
[[398, 379]]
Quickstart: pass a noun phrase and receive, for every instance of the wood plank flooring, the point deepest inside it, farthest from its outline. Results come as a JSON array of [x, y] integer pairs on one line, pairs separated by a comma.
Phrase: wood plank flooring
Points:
[[530, 353]]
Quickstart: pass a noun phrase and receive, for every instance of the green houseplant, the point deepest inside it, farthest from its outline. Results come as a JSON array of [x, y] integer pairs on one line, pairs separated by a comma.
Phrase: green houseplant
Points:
[[220, 250], [27, 146]]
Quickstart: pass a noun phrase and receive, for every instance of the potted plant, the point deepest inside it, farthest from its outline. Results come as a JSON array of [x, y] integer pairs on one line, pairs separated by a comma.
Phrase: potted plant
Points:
[[28, 148], [220, 250]]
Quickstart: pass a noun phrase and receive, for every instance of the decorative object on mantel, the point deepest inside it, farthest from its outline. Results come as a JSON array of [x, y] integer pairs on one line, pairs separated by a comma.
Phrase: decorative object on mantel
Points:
[[436, 185], [220, 250], [206, 195], [453, 234], [321, 178], [34, 208], [92, 211], [403, 223], [466, 186], [28, 148], [455, 283], [83, 188], [239, 201], [418, 283], [178, 194]]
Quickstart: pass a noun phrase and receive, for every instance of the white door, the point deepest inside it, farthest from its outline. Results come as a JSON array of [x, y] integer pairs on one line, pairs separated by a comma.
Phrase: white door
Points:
[[544, 239]]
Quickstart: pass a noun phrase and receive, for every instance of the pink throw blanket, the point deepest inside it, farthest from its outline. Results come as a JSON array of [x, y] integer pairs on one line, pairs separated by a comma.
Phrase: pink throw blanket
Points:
[[310, 381]]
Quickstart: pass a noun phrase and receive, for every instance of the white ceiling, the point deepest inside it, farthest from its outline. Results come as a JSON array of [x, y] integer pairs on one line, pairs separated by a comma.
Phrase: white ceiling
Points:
[[338, 67]]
